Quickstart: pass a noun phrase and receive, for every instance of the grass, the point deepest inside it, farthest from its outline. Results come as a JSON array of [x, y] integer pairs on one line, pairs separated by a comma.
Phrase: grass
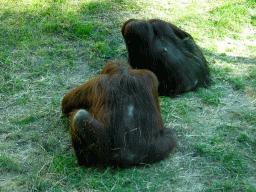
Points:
[[51, 46]]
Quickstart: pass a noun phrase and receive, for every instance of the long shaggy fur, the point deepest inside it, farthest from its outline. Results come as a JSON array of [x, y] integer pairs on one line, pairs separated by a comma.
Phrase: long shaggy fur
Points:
[[169, 52], [115, 118]]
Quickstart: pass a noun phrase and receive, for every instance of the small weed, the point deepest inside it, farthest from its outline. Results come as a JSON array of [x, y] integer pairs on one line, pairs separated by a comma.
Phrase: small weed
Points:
[[8, 165], [212, 95], [83, 29], [228, 68], [101, 47], [236, 36], [229, 50], [253, 20], [243, 138], [237, 82]]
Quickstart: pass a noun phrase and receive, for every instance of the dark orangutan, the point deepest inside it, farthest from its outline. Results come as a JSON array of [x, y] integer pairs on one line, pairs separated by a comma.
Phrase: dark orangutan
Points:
[[116, 120], [167, 51]]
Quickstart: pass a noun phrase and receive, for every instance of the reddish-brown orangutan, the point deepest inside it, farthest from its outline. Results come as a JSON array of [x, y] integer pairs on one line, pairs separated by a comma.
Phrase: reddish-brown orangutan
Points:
[[169, 52], [116, 120]]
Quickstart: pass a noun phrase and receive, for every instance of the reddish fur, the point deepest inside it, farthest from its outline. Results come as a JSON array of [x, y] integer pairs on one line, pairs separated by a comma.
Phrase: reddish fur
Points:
[[120, 122]]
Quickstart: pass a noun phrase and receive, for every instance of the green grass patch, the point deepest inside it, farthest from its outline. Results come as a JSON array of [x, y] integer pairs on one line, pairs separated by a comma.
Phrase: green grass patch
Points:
[[63, 163], [253, 20], [221, 148], [228, 18], [237, 82], [212, 95], [7, 164], [249, 116], [24, 121], [95, 7]]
